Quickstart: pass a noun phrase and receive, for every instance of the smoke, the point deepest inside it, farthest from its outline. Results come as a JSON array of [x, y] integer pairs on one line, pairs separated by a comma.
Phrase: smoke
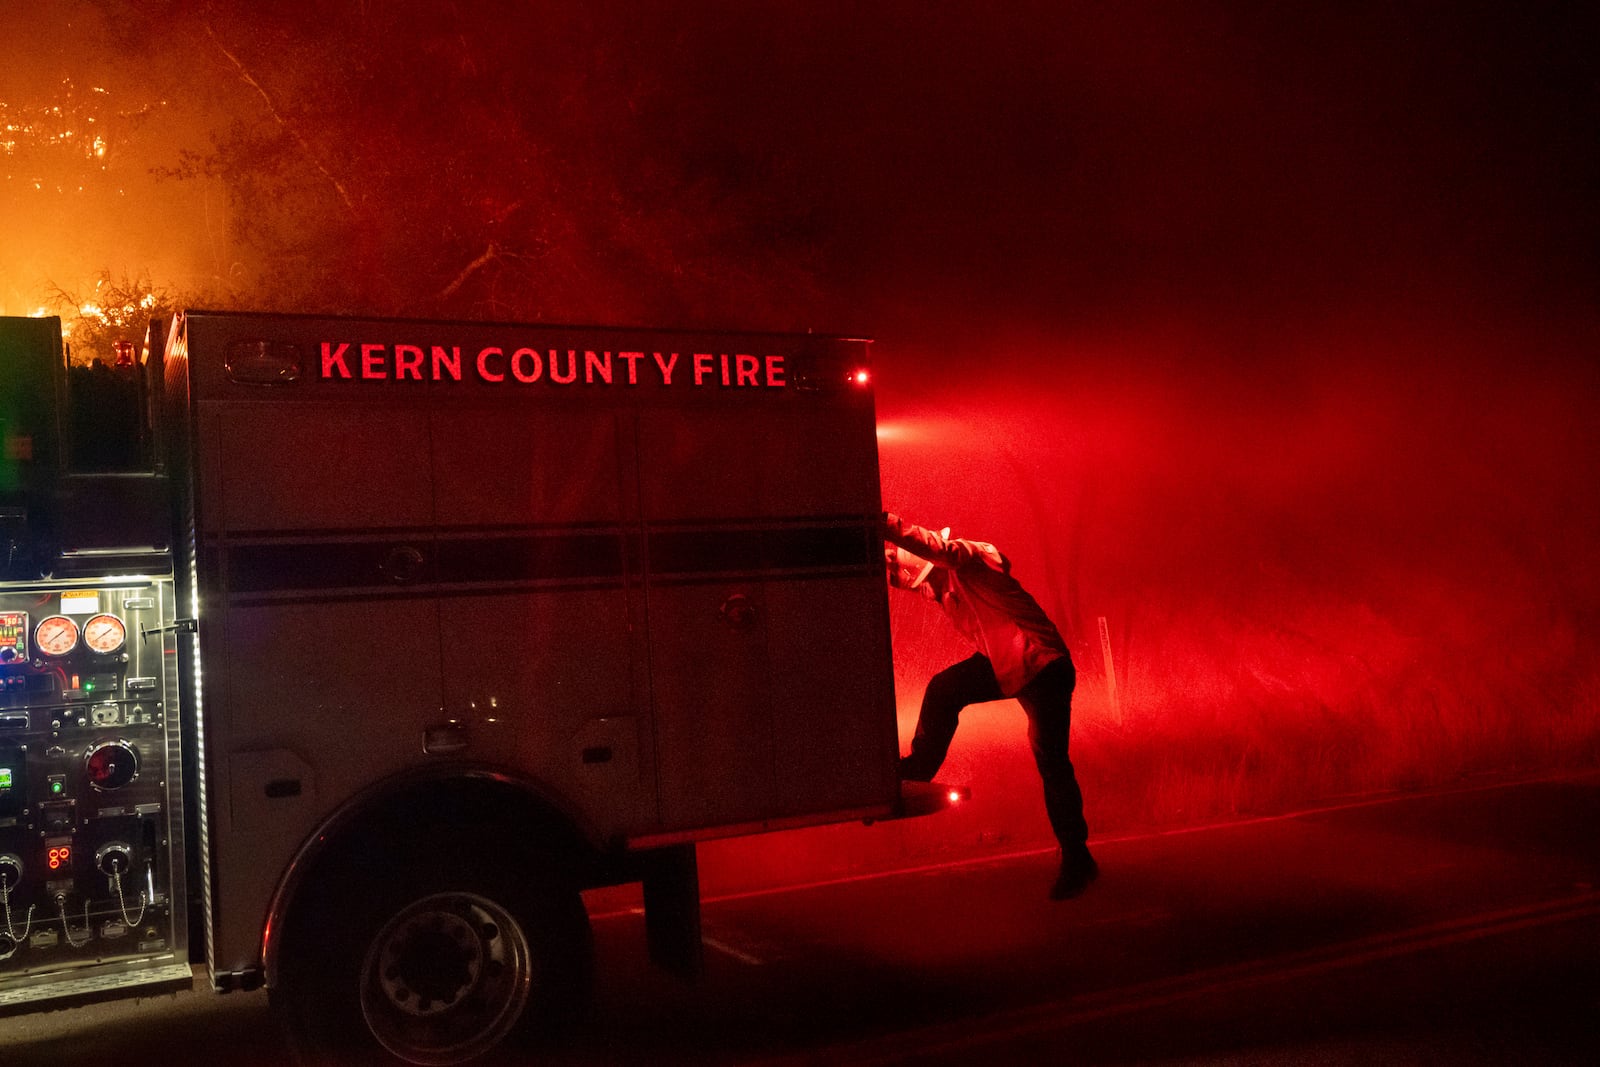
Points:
[[1263, 333], [1364, 565]]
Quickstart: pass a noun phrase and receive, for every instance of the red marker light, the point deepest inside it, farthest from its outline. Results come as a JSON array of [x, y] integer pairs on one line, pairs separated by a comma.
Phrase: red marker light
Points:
[[861, 377], [955, 796]]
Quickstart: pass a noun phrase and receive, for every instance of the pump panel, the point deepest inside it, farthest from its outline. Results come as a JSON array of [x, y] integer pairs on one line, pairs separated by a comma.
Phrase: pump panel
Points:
[[91, 826]]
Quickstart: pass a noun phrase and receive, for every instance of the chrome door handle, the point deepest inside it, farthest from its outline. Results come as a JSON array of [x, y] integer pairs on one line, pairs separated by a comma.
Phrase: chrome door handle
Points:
[[403, 564], [445, 738]]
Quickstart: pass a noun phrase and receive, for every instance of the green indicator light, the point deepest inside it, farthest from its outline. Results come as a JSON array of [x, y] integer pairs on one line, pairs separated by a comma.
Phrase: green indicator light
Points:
[[56, 788], [5, 777]]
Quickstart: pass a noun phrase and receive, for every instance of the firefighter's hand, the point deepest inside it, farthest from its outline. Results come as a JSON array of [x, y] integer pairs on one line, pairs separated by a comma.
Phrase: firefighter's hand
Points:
[[891, 567]]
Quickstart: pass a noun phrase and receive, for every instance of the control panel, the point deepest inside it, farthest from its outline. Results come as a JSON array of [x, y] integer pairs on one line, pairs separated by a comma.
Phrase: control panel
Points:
[[91, 822]]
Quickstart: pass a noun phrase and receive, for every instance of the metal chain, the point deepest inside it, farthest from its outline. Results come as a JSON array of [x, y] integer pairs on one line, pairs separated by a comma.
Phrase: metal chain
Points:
[[88, 927], [116, 882], [5, 899]]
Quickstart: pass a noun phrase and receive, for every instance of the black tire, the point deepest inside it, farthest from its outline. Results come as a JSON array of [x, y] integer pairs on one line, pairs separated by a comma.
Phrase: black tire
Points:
[[437, 961]]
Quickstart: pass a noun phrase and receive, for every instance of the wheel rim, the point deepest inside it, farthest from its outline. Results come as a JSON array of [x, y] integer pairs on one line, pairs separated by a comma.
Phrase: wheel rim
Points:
[[446, 979]]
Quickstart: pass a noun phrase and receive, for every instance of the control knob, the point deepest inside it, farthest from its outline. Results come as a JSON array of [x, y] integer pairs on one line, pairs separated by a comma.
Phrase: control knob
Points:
[[111, 764], [10, 871], [114, 858]]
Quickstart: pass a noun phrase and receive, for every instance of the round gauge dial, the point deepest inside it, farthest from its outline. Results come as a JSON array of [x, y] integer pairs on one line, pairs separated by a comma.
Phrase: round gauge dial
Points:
[[56, 636], [104, 633]]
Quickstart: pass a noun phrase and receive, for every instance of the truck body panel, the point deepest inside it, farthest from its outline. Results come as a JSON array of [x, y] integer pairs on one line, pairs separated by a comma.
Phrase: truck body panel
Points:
[[633, 574]]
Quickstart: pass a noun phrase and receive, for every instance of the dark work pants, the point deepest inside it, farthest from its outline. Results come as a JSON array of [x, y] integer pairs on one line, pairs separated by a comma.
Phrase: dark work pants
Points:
[[1047, 700]]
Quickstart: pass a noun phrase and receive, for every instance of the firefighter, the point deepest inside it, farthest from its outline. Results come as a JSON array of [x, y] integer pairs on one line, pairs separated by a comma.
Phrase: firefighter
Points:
[[1019, 653]]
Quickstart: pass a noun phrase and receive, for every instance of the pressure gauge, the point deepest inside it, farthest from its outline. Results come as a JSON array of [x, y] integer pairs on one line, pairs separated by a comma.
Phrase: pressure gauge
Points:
[[104, 634], [56, 636]]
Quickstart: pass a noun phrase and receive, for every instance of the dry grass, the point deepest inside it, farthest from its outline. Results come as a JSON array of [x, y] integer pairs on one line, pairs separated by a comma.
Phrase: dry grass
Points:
[[1188, 761]]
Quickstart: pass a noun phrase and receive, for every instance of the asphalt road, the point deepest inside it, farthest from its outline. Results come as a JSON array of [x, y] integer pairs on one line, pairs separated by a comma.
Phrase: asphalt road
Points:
[[1460, 927]]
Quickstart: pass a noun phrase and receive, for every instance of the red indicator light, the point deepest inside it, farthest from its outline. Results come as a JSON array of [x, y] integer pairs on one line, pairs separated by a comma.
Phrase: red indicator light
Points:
[[861, 377], [955, 796], [58, 856]]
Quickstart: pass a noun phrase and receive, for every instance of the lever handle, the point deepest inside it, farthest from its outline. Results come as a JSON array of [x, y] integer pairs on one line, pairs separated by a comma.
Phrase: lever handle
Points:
[[403, 564], [739, 612], [442, 739]]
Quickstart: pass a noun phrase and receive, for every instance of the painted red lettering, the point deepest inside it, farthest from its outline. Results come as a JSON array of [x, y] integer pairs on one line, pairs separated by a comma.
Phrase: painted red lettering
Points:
[[748, 369], [483, 365], [372, 365], [702, 367], [449, 362], [333, 359], [666, 367], [408, 362], [521, 357], [633, 359], [572, 367], [775, 371], [593, 364]]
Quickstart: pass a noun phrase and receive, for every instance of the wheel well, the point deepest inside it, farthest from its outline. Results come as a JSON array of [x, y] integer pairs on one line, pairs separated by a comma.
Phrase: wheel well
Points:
[[504, 821]]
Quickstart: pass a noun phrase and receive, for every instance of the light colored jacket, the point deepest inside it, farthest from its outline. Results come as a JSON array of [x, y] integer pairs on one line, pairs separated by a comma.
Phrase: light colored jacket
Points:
[[972, 581]]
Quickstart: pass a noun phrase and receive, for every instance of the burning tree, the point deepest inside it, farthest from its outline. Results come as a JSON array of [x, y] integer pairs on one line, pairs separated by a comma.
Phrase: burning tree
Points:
[[491, 160], [116, 310], [68, 140], [484, 160]]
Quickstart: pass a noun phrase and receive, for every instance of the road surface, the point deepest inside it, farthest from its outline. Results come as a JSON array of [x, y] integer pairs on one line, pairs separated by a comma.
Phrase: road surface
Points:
[[1460, 927]]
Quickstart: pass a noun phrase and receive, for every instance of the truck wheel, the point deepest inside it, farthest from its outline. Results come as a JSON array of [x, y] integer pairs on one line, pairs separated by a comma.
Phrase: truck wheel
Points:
[[437, 969]]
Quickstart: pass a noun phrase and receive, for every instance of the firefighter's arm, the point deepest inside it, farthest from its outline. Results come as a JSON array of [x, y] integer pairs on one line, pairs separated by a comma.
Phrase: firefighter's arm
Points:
[[927, 544]]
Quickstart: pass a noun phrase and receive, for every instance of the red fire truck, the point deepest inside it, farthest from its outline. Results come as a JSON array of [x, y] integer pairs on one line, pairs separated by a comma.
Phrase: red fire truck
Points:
[[349, 652]]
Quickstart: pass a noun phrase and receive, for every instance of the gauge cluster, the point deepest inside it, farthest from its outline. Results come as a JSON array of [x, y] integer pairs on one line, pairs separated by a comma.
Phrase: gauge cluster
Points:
[[87, 788], [73, 668]]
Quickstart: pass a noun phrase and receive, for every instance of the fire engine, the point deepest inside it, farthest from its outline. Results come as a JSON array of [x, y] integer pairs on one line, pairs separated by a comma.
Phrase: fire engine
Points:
[[343, 654]]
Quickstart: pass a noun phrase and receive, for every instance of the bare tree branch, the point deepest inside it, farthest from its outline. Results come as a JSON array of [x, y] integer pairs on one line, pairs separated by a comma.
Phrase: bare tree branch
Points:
[[279, 118], [471, 268]]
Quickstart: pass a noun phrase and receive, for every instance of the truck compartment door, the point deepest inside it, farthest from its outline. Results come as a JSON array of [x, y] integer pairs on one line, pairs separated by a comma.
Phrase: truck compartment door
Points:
[[319, 620], [537, 545], [768, 631]]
